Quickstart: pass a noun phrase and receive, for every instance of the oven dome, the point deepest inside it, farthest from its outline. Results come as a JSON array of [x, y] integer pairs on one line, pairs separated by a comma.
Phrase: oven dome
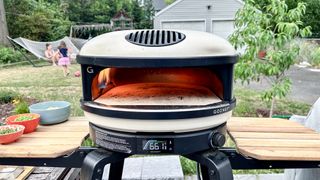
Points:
[[152, 44]]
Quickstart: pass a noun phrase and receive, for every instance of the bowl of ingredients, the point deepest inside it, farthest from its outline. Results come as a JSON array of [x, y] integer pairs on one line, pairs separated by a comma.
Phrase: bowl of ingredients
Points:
[[52, 112], [29, 120], [10, 133]]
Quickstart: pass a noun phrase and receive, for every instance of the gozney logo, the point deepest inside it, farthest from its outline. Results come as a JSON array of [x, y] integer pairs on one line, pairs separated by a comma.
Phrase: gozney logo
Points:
[[220, 110], [89, 70]]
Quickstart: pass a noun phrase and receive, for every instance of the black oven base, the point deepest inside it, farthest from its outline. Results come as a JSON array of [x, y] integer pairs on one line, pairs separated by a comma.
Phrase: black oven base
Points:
[[158, 143]]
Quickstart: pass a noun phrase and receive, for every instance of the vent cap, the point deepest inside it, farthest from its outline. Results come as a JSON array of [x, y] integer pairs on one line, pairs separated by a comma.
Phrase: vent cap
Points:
[[155, 38]]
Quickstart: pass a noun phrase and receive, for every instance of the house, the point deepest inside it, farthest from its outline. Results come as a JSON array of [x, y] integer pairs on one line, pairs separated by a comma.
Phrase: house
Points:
[[215, 16], [158, 5]]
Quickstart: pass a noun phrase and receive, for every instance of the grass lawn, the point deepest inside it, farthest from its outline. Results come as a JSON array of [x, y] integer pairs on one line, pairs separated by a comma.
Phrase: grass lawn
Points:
[[44, 83], [48, 83]]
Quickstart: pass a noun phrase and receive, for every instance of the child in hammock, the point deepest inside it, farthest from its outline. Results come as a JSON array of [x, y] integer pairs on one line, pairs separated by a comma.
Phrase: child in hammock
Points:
[[50, 54], [64, 60]]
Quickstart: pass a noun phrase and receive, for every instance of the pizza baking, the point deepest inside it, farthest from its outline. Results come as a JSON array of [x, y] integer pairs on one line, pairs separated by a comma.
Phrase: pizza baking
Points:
[[158, 94]]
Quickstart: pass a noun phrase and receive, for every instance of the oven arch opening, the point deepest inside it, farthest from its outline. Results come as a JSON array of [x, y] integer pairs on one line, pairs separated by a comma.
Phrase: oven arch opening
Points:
[[196, 86]]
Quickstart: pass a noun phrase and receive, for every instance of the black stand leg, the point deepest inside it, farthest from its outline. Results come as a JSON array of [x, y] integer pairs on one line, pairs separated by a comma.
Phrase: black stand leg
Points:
[[95, 161], [204, 171], [214, 165], [115, 171]]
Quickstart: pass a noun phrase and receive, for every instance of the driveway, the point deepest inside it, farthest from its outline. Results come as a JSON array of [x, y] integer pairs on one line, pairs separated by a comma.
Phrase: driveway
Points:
[[305, 85]]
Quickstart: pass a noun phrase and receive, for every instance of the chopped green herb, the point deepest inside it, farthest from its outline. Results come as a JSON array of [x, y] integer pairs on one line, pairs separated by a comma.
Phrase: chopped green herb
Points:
[[23, 118], [7, 131]]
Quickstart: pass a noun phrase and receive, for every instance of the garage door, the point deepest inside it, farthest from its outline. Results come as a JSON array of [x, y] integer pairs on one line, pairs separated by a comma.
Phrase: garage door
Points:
[[223, 28], [189, 25]]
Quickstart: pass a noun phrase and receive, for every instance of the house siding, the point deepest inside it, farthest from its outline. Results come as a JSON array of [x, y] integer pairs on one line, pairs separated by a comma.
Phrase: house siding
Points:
[[197, 10]]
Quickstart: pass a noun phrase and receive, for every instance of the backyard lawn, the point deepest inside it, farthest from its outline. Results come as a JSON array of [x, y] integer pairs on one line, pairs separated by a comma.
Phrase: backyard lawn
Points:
[[48, 83], [43, 83]]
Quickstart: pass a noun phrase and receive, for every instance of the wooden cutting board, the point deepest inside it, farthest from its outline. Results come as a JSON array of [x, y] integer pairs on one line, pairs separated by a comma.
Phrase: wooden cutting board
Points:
[[49, 141], [274, 139]]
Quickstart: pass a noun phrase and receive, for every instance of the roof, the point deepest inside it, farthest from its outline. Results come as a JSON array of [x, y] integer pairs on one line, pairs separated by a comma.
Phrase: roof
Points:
[[159, 4], [178, 1], [121, 15]]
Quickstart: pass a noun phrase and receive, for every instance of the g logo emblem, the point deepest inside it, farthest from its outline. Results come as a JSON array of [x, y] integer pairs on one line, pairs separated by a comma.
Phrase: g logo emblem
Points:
[[89, 70]]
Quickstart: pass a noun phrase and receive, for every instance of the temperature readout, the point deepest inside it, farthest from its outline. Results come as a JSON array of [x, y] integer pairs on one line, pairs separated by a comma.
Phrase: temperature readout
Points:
[[157, 145]]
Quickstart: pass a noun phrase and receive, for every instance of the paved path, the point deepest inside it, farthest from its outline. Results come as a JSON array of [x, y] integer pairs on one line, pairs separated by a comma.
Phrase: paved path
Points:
[[249, 177], [305, 85], [150, 167]]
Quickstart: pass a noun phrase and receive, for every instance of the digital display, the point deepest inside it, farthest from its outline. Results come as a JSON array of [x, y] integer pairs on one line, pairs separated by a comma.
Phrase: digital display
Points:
[[157, 145]]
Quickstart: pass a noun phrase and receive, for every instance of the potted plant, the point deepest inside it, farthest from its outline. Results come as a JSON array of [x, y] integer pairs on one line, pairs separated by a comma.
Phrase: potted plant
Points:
[[29, 120], [10, 133]]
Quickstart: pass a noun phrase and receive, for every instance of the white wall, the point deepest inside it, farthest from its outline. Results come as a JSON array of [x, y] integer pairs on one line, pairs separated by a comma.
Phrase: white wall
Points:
[[188, 10]]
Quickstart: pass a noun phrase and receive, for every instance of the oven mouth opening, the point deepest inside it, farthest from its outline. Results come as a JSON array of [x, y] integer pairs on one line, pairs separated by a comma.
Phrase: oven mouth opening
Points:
[[159, 93], [157, 88]]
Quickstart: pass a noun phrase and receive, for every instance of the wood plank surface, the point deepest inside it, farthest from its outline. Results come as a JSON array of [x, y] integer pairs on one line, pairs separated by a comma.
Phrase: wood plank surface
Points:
[[73, 174], [10, 172], [48, 173], [281, 135], [274, 139], [27, 170], [49, 141], [15, 172]]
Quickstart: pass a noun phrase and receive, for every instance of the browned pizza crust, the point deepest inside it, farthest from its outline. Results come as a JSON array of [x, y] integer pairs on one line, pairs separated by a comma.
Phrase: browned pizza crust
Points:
[[158, 94]]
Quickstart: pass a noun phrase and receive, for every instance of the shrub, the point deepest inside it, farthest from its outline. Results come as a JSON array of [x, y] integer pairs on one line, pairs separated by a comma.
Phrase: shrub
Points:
[[9, 55], [21, 107], [7, 96], [305, 51], [188, 167], [309, 52], [315, 58]]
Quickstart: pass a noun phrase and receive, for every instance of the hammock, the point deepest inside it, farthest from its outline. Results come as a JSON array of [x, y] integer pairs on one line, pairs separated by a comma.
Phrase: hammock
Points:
[[38, 48]]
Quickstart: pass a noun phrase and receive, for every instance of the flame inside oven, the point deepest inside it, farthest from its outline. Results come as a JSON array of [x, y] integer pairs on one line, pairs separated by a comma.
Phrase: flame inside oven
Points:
[[157, 86]]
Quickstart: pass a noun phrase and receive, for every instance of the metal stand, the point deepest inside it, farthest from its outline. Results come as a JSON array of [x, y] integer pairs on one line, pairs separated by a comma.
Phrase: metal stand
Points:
[[17, 48], [94, 162], [214, 165]]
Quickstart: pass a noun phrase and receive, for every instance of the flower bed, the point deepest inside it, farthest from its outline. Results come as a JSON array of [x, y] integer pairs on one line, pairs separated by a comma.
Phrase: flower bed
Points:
[[13, 103]]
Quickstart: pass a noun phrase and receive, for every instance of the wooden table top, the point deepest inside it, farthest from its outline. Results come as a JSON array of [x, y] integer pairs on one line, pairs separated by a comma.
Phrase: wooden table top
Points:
[[259, 138], [274, 139], [49, 141]]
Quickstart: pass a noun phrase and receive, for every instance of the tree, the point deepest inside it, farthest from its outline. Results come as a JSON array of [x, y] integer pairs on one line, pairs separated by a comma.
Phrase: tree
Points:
[[40, 21], [148, 14], [3, 25], [272, 28], [45, 20], [142, 15], [311, 16], [137, 14]]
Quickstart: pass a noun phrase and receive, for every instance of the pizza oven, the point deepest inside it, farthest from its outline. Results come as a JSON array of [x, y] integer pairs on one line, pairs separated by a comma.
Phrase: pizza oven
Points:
[[157, 91]]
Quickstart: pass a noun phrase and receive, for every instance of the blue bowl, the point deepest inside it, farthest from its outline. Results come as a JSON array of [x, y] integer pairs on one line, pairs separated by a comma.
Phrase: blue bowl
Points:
[[52, 112]]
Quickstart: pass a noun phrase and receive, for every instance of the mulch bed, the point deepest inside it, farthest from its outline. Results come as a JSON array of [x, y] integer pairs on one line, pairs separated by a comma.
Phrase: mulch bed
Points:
[[265, 112], [6, 109]]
